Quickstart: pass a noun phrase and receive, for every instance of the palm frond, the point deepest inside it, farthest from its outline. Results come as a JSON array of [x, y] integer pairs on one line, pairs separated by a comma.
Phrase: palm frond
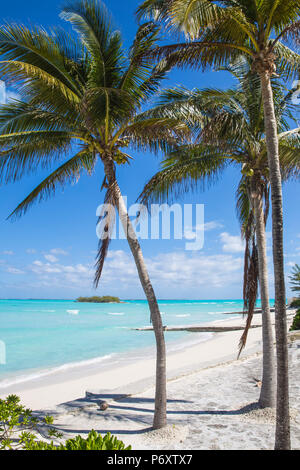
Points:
[[69, 172], [19, 116], [250, 284], [139, 64], [37, 51], [250, 288], [188, 168], [160, 134], [24, 152], [107, 218], [243, 204], [158, 10], [93, 23], [287, 61], [182, 104]]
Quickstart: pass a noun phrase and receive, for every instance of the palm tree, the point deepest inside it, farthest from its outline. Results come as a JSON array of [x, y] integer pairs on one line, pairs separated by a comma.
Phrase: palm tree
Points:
[[218, 32], [232, 132], [83, 95]]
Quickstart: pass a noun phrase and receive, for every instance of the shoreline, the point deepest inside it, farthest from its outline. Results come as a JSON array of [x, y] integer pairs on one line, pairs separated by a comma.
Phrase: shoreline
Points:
[[33, 377], [66, 385], [91, 365]]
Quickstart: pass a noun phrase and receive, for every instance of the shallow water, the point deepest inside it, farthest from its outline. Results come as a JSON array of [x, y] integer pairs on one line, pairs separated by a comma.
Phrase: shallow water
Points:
[[41, 336]]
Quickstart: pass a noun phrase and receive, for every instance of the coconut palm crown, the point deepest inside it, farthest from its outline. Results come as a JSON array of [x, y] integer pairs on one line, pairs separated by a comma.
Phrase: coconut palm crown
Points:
[[228, 129], [81, 97], [221, 31]]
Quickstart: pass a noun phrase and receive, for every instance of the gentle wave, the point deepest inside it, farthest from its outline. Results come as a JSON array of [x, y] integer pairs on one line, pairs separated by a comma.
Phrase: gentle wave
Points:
[[116, 313], [183, 315], [44, 373], [73, 312]]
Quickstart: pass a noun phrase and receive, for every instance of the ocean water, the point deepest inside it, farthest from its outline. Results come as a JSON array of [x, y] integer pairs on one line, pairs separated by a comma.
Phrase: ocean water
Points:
[[41, 336]]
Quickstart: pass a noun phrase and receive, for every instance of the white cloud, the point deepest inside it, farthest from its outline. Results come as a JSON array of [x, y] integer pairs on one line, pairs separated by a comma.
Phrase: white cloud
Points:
[[51, 258], [231, 243], [212, 225], [176, 269], [190, 232], [58, 251], [42, 268], [31, 251], [51, 255], [173, 274], [13, 270], [38, 263], [195, 269], [6, 94], [12, 95], [2, 92], [7, 252]]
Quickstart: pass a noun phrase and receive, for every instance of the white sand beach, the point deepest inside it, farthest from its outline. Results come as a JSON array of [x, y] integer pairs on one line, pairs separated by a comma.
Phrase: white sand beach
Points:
[[212, 397]]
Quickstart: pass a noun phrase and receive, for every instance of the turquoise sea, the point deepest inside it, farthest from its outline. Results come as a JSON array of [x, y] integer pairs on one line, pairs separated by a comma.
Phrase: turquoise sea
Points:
[[40, 336]]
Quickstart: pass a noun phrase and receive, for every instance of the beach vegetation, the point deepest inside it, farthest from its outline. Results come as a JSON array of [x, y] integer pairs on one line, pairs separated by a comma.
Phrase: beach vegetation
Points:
[[94, 441], [296, 321], [295, 303], [20, 429], [19, 425]]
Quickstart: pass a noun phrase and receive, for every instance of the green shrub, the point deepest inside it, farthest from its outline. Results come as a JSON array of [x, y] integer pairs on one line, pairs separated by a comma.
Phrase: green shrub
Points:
[[17, 422], [94, 441], [295, 303], [296, 322]]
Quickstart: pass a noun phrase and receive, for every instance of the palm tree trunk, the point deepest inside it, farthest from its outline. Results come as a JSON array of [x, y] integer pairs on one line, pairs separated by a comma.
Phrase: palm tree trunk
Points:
[[268, 389], [282, 434], [160, 413]]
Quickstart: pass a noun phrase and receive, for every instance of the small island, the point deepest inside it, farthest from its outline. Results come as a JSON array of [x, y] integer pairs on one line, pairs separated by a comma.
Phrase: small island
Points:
[[100, 300]]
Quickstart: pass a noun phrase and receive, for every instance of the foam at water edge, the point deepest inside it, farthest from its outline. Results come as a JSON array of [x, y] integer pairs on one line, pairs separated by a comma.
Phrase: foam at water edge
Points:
[[43, 373]]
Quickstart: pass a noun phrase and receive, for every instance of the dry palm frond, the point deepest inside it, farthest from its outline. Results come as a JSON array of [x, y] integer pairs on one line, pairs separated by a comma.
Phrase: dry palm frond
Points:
[[107, 218], [250, 287]]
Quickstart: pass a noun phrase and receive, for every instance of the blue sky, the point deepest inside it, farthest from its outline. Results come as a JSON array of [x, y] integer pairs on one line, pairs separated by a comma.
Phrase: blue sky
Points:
[[50, 252]]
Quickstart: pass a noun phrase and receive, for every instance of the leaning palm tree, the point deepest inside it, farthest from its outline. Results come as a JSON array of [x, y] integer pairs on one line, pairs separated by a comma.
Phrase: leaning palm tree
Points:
[[218, 32], [232, 132], [81, 95]]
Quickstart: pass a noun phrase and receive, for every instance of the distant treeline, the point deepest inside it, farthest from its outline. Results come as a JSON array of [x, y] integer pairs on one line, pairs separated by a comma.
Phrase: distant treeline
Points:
[[100, 300]]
